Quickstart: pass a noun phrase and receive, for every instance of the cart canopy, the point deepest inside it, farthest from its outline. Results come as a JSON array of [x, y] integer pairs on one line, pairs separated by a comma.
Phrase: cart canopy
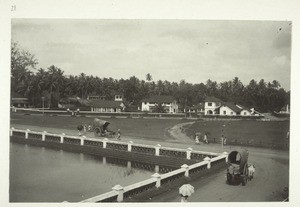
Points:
[[101, 123], [238, 157]]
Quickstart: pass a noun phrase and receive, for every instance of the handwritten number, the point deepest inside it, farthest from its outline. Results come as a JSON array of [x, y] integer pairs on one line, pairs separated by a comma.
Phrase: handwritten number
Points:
[[13, 8]]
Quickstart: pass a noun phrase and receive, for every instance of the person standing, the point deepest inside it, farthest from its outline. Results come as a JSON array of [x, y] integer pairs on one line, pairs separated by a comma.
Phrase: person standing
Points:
[[205, 138], [197, 139]]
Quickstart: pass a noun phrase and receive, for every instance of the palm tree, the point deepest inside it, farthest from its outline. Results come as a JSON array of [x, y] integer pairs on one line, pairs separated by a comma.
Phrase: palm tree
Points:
[[148, 77]]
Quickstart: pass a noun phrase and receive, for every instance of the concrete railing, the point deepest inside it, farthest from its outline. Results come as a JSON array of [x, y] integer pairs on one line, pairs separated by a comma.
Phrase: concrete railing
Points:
[[130, 146], [120, 193]]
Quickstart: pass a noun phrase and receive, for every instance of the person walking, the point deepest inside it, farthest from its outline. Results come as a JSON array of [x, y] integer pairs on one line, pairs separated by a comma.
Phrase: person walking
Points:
[[119, 134]]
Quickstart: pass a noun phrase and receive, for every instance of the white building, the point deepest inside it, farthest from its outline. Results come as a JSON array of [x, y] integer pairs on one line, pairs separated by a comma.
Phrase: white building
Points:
[[168, 102], [214, 106], [211, 105]]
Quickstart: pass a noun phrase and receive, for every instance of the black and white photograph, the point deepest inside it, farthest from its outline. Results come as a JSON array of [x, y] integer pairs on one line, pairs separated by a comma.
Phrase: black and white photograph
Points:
[[150, 110]]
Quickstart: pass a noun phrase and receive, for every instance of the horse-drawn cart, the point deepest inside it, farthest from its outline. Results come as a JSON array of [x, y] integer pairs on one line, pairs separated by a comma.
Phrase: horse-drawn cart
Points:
[[100, 128], [237, 170]]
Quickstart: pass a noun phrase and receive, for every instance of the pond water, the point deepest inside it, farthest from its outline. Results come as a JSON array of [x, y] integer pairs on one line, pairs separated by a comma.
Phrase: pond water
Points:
[[39, 174]]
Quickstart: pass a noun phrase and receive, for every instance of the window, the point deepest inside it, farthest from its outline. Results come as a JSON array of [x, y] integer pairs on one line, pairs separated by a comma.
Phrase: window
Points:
[[224, 112], [245, 113], [209, 104], [231, 113]]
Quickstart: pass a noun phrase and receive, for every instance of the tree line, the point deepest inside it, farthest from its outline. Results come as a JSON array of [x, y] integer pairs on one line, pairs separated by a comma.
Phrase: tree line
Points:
[[51, 83]]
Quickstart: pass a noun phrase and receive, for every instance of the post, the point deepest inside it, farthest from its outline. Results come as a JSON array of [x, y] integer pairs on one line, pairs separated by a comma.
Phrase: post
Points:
[[157, 147], [222, 140], [43, 135], [26, 133], [120, 190], [82, 140], [62, 138], [188, 153], [156, 169], [43, 100], [226, 154], [105, 142], [130, 146], [11, 131], [208, 160], [186, 168], [158, 179]]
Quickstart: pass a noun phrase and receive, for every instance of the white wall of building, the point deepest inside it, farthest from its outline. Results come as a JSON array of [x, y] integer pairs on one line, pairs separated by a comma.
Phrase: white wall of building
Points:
[[170, 107], [210, 106], [245, 112], [226, 111]]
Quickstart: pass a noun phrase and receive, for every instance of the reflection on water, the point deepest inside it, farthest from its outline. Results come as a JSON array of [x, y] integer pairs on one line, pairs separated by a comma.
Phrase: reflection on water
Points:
[[39, 174]]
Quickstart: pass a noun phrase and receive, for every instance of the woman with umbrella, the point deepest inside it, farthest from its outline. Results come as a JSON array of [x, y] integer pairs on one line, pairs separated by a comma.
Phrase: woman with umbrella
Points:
[[185, 191]]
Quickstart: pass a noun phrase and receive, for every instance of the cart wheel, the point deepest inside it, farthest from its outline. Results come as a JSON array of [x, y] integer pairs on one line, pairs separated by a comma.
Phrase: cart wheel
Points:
[[229, 179], [97, 132], [244, 182]]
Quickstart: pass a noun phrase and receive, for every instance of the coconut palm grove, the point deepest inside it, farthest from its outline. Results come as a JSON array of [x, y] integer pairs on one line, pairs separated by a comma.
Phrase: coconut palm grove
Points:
[[32, 82]]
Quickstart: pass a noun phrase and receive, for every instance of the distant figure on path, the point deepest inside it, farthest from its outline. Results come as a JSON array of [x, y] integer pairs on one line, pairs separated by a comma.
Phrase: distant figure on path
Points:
[[225, 141], [119, 134], [197, 139], [205, 138]]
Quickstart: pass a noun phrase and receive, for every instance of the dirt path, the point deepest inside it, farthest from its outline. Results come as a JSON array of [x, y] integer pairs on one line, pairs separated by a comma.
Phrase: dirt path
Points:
[[176, 132]]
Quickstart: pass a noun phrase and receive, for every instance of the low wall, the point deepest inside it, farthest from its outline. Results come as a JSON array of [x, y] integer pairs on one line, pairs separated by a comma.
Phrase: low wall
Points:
[[157, 150], [159, 183], [191, 162]]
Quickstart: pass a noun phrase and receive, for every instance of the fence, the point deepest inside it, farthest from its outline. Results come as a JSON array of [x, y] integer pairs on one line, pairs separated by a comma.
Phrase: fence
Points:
[[157, 150]]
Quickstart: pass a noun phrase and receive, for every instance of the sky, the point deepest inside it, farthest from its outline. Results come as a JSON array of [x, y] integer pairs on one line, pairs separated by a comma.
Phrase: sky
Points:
[[173, 50]]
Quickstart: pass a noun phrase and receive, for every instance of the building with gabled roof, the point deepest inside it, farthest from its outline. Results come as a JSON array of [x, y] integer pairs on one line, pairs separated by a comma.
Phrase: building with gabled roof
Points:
[[215, 106], [19, 101]]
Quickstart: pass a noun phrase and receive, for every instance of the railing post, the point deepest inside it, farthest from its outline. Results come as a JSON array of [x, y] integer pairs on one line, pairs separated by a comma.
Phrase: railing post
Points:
[[62, 137], [188, 153], [105, 142], [186, 168], [157, 147], [128, 165], [156, 169], [208, 160], [158, 178], [26, 133], [11, 131], [43, 135], [130, 146], [226, 154], [120, 190], [82, 140]]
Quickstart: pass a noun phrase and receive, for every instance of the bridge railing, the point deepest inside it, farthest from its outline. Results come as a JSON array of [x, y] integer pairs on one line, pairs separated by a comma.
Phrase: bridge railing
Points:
[[130, 146], [119, 193], [158, 180]]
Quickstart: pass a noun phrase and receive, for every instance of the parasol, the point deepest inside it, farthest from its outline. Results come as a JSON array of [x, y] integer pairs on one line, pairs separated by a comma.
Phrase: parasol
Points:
[[186, 190]]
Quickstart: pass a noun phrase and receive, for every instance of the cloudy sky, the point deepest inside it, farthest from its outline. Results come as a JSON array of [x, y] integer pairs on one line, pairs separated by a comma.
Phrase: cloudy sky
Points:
[[193, 50]]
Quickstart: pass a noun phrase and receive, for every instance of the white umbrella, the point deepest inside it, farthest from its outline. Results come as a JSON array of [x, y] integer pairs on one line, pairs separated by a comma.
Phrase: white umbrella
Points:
[[186, 190]]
